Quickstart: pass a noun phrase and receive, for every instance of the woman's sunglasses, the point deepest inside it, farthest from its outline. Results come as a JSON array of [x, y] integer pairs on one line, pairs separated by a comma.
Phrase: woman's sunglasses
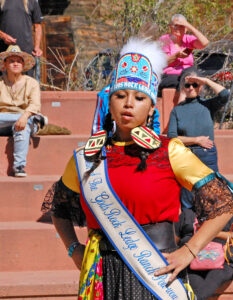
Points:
[[187, 85]]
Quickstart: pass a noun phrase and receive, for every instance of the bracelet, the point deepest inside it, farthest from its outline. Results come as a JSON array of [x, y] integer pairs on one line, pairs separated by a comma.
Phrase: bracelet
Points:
[[187, 246], [72, 247]]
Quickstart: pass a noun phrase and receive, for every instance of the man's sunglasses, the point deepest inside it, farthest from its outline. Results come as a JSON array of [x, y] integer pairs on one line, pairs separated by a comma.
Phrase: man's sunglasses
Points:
[[187, 85]]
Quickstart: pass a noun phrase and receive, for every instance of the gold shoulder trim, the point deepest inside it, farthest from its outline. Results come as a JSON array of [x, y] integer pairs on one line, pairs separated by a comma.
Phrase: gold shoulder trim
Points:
[[186, 166]]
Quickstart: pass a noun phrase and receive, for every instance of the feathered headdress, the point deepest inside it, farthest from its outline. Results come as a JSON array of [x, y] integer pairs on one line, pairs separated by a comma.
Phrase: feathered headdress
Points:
[[139, 67]]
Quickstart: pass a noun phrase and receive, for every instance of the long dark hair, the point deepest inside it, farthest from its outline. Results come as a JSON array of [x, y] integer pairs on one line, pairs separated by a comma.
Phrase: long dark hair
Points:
[[144, 153], [96, 159]]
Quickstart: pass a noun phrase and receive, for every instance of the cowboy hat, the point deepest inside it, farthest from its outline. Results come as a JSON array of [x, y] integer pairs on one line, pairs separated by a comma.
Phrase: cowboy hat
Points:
[[14, 50]]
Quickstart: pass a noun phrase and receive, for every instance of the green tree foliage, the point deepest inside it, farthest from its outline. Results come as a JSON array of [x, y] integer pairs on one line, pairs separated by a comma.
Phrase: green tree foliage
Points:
[[212, 17]]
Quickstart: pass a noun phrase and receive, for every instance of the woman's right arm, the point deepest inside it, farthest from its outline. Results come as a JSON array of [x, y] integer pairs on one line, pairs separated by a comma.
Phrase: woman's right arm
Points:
[[62, 201], [65, 229]]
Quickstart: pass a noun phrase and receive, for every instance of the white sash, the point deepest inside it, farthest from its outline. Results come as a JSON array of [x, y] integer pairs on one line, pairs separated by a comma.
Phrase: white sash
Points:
[[126, 235]]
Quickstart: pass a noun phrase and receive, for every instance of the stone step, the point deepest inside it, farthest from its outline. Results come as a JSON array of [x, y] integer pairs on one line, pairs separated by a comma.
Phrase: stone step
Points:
[[33, 246], [224, 143], [26, 195], [21, 198], [63, 284], [48, 155], [43, 285], [73, 110], [165, 105]]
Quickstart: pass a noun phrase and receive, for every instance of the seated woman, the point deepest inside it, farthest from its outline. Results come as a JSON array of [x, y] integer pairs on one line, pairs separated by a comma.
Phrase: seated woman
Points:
[[128, 185], [178, 46], [204, 283], [192, 121]]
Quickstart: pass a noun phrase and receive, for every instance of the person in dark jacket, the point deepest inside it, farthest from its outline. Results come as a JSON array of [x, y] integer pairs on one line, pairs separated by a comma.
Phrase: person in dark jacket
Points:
[[192, 120]]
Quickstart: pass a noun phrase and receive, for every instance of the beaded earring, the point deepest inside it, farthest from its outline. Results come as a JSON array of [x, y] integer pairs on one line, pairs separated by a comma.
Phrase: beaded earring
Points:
[[95, 143], [145, 137]]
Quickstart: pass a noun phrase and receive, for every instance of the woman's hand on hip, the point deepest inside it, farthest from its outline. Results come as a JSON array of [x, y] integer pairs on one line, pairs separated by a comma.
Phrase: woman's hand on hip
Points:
[[77, 255], [204, 141], [177, 261]]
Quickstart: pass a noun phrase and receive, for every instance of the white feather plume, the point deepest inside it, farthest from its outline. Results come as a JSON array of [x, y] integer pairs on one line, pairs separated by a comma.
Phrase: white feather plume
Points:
[[148, 48]]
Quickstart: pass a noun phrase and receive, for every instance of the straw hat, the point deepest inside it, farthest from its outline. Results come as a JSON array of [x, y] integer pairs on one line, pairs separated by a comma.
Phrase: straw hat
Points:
[[14, 50]]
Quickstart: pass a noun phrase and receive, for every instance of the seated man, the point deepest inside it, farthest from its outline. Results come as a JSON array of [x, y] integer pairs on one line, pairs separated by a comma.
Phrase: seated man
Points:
[[19, 103], [102, 110]]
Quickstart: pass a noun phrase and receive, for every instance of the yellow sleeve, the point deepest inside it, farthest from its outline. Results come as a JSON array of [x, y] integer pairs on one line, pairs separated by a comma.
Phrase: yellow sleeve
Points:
[[70, 176], [186, 166]]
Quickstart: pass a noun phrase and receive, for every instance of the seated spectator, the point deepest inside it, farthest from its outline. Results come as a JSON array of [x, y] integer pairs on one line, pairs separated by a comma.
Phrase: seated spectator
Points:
[[102, 111], [204, 283], [19, 103], [192, 121], [178, 46]]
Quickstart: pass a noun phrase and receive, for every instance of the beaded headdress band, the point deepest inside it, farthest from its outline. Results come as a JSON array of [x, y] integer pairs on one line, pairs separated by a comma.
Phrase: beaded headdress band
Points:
[[139, 67]]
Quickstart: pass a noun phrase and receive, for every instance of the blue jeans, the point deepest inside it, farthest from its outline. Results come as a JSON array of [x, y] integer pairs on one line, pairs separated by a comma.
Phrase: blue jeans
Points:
[[21, 138], [208, 157]]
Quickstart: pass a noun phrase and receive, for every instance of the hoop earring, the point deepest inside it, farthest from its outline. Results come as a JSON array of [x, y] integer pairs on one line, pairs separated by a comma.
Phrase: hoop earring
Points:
[[145, 137], [149, 120]]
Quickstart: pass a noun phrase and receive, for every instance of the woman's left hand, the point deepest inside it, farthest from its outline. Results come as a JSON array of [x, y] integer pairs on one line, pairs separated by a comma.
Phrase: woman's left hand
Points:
[[177, 261]]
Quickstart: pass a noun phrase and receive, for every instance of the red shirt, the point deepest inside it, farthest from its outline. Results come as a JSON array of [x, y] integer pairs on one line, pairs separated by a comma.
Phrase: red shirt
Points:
[[152, 195]]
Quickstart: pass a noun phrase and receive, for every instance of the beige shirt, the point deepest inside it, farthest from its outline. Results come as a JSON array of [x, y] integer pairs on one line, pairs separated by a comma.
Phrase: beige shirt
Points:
[[25, 98]]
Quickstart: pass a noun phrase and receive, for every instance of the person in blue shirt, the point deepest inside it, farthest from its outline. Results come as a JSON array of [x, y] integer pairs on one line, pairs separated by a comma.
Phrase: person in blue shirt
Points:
[[102, 110], [192, 121]]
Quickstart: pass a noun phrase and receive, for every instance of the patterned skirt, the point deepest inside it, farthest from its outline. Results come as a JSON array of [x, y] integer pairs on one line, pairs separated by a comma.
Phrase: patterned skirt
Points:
[[119, 283], [104, 275]]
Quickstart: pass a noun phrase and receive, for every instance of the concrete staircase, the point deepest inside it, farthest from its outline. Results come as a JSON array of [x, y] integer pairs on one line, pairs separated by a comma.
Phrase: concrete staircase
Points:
[[33, 261]]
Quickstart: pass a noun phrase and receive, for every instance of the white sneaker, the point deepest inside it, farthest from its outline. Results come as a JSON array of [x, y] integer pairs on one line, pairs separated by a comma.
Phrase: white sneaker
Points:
[[19, 171]]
